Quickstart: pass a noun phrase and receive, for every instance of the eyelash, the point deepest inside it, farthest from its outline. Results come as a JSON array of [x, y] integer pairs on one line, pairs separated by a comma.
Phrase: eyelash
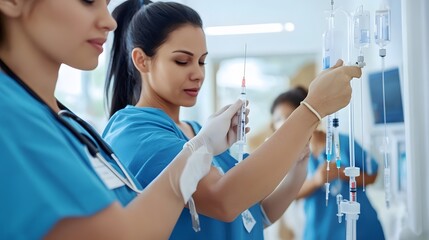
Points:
[[89, 2], [184, 63]]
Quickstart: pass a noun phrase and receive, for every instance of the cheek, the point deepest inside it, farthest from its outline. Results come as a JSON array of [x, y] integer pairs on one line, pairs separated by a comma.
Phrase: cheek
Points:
[[56, 31]]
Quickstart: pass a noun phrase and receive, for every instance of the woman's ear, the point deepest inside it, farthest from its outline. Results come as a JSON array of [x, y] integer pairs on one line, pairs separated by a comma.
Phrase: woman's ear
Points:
[[12, 8], [140, 60]]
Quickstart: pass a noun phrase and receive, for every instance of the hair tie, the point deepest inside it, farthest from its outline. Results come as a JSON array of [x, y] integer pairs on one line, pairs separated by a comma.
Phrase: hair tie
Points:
[[312, 110]]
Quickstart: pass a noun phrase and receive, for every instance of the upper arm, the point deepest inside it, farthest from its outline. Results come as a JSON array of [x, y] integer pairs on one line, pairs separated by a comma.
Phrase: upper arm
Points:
[[43, 178]]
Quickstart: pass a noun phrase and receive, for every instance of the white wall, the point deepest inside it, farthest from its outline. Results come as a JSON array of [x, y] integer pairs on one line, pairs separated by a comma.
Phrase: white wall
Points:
[[416, 87]]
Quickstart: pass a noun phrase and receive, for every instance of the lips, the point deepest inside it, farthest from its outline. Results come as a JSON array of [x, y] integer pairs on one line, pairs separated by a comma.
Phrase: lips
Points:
[[193, 92], [97, 43]]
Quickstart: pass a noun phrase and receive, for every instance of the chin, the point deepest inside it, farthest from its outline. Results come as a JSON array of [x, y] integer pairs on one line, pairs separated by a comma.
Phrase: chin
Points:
[[189, 104], [85, 66]]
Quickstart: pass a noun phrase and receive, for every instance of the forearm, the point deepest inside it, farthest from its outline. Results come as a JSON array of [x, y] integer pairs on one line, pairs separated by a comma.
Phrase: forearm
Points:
[[151, 215], [255, 178], [277, 202], [307, 189]]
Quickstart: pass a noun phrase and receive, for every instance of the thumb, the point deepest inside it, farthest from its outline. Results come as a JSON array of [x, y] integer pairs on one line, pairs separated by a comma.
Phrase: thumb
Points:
[[339, 63], [220, 111], [232, 110]]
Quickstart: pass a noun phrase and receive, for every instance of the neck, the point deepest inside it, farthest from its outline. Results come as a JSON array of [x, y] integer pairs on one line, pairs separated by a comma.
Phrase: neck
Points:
[[36, 70], [173, 111]]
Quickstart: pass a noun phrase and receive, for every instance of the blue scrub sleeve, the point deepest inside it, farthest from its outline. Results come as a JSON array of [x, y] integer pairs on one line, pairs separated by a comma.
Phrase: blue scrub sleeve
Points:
[[158, 148]]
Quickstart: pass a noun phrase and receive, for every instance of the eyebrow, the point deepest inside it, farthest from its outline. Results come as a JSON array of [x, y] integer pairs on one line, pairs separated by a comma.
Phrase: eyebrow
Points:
[[188, 53]]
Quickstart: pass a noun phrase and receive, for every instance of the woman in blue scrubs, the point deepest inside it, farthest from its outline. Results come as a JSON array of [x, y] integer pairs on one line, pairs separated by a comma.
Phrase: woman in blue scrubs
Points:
[[54, 182], [321, 222], [157, 67]]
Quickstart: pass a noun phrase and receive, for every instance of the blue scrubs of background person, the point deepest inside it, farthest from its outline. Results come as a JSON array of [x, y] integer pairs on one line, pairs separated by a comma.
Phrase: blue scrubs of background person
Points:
[[156, 139], [322, 221], [44, 170]]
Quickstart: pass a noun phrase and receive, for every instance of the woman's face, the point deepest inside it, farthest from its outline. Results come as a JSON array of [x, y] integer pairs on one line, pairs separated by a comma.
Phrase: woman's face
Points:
[[177, 71], [281, 112], [66, 31]]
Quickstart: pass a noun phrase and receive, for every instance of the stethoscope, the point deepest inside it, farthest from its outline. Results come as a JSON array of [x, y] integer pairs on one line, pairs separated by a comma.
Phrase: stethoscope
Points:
[[92, 148]]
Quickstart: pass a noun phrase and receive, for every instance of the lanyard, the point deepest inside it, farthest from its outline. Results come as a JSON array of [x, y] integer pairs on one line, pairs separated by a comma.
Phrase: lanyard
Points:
[[92, 148]]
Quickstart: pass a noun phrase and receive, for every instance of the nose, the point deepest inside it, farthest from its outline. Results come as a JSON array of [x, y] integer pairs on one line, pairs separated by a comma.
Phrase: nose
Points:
[[198, 72], [107, 22]]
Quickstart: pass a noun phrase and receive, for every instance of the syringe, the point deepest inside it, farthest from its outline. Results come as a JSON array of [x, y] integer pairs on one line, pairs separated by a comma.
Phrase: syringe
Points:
[[328, 58], [382, 38], [336, 124], [241, 133]]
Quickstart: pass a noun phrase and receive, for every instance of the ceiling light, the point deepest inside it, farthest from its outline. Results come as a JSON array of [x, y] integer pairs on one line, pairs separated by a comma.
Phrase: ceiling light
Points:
[[289, 27]]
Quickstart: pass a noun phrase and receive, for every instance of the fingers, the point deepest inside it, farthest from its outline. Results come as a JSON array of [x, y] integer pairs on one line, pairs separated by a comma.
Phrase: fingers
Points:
[[231, 110], [339, 63], [223, 109], [353, 71], [247, 129]]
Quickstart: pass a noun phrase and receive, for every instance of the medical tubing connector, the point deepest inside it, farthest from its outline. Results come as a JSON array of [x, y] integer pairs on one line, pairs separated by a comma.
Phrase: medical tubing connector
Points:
[[350, 208], [339, 214]]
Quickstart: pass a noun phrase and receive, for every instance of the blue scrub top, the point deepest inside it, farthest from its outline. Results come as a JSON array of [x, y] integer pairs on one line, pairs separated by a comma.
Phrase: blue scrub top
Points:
[[147, 140], [322, 221], [45, 175]]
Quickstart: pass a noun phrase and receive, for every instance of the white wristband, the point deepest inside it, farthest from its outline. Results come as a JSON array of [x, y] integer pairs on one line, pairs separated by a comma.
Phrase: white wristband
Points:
[[312, 110]]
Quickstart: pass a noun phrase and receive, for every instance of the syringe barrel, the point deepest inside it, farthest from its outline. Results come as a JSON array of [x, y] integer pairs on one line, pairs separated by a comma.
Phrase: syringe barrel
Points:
[[241, 131], [329, 135]]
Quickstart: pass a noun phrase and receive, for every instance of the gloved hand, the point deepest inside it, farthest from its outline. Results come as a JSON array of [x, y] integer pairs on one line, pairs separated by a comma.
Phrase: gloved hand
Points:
[[184, 173], [220, 130]]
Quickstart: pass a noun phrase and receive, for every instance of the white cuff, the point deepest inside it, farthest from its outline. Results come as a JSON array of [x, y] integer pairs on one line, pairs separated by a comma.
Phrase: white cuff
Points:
[[265, 219]]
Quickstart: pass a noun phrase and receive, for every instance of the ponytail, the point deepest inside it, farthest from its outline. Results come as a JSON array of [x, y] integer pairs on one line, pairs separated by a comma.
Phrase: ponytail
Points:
[[146, 29], [123, 81]]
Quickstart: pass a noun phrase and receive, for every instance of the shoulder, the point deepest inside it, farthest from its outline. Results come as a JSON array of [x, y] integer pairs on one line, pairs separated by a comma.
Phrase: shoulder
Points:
[[23, 114], [141, 120], [41, 157]]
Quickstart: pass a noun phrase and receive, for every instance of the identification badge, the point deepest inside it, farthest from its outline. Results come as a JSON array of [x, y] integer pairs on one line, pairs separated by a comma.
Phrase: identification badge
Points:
[[248, 220], [110, 180]]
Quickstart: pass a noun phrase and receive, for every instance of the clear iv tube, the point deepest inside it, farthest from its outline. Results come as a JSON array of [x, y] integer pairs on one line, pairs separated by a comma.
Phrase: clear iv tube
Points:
[[361, 21], [386, 142], [351, 130], [382, 38], [363, 136]]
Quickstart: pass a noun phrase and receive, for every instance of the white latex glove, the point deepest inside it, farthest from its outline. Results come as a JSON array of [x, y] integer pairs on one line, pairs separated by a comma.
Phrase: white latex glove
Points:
[[220, 130], [185, 171]]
